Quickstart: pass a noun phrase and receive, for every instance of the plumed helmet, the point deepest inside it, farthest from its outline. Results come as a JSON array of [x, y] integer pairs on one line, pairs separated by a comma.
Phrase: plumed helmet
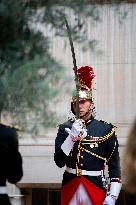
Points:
[[85, 76]]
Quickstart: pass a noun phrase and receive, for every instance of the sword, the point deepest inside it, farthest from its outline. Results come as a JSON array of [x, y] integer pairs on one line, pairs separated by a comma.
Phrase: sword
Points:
[[75, 67]]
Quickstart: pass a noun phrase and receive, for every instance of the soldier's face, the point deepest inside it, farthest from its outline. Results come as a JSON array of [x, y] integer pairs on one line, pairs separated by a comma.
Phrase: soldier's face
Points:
[[84, 107]]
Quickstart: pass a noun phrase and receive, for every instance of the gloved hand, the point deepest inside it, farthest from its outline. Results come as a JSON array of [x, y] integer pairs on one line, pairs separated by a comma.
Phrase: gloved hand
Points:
[[78, 131], [109, 200], [115, 188]]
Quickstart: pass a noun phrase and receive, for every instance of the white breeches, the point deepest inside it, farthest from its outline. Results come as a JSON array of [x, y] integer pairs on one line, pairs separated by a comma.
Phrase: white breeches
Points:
[[80, 197]]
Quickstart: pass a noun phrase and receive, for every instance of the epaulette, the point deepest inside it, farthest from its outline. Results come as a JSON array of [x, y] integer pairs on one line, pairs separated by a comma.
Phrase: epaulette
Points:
[[104, 121], [16, 127], [108, 123]]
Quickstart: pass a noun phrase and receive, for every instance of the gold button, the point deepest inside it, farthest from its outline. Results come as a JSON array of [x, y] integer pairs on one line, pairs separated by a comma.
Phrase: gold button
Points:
[[81, 157], [81, 165], [92, 145]]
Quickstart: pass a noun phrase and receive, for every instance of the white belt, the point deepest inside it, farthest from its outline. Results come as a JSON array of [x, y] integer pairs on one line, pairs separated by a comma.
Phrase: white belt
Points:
[[3, 190], [84, 172]]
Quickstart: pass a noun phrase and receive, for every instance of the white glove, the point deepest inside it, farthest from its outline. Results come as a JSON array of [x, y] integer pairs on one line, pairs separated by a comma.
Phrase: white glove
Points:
[[109, 200], [76, 133], [67, 145], [115, 188]]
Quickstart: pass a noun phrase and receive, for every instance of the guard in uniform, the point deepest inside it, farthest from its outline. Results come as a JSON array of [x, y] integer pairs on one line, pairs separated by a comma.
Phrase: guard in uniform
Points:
[[84, 146], [10, 161]]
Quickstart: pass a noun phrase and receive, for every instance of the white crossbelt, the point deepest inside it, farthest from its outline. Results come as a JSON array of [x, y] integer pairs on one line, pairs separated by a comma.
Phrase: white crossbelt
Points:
[[3, 190], [84, 172]]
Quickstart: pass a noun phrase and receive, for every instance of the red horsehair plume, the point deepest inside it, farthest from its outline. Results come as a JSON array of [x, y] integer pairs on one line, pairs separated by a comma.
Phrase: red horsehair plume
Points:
[[85, 77]]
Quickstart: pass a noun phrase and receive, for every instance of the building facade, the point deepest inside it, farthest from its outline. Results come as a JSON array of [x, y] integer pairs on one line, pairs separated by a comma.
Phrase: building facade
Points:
[[114, 63]]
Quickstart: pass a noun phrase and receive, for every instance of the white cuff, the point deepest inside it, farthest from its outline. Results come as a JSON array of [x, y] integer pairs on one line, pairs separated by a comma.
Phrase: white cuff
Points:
[[109, 200], [67, 145], [115, 188]]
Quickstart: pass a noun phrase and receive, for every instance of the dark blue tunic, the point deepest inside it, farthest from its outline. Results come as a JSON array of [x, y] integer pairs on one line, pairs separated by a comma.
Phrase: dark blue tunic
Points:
[[10, 160], [99, 146]]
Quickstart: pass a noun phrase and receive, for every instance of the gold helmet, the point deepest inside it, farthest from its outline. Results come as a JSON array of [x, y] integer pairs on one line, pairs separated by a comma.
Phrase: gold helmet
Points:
[[83, 95]]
